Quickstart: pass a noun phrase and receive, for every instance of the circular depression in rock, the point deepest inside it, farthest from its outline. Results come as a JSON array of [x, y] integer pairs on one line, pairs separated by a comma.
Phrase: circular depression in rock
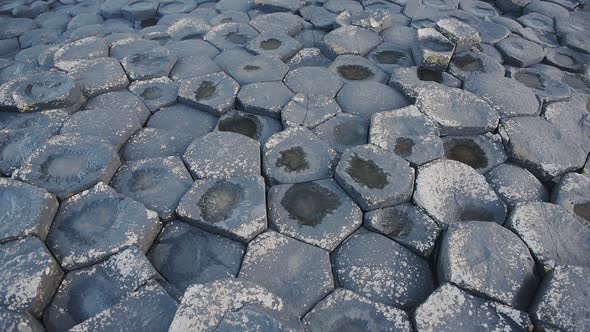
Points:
[[467, 152], [366, 173], [145, 179], [468, 63], [390, 57], [205, 90], [220, 201], [404, 146], [583, 210], [270, 44], [309, 203], [67, 166], [151, 93], [293, 160], [245, 125], [91, 220], [354, 72]]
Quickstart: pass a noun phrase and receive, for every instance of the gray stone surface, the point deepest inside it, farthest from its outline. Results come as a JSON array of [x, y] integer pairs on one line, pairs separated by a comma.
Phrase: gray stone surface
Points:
[[184, 120], [457, 310], [153, 143], [14, 321], [264, 98], [297, 272], [515, 185], [375, 177], [350, 40], [232, 305], [433, 51], [214, 93], [377, 267], [310, 80], [29, 275], [233, 207], [482, 152], [554, 236], [343, 131], [257, 127], [97, 223], [367, 98], [317, 212], [308, 111], [187, 255], [573, 194]]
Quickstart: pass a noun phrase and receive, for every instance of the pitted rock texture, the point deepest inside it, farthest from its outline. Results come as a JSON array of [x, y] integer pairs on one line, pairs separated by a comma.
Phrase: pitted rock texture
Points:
[[294, 165]]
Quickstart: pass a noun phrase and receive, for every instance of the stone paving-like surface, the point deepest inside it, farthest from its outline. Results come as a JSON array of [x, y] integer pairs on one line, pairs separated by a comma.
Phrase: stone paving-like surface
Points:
[[295, 165]]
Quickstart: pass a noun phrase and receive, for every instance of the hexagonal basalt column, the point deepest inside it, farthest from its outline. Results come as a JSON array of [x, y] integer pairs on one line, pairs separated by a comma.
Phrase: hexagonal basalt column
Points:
[[350, 40], [29, 275], [97, 223], [374, 177], [297, 272], [214, 93], [233, 207], [297, 155], [318, 212], [46, 91], [68, 164]]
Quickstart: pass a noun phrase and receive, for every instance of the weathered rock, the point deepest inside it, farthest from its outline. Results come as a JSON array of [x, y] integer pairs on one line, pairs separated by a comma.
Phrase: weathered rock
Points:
[[540, 147], [554, 236], [297, 155], [461, 34], [68, 164], [257, 127], [562, 302], [573, 194], [96, 76], [186, 255], [46, 91], [433, 51], [298, 273], [97, 223], [233, 207], [318, 212], [571, 118], [343, 131], [155, 93], [247, 68], [375, 177], [157, 183], [151, 63], [275, 44], [350, 40], [15, 321], [87, 292], [223, 154], [25, 210], [482, 152], [265, 98], [515, 185], [406, 224], [29, 275], [308, 111], [389, 55], [184, 120], [214, 93], [367, 98], [312, 81], [374, 266], [354, 68], [520, 52], [231, 35], [457, 310], [344, 309], [188, 28], [232, 305], [192, 66]]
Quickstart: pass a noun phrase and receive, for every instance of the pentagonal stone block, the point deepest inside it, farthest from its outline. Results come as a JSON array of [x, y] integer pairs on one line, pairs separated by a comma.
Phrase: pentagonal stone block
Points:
[[461, 34], [408, 133], [85, 293], [520, 52], [433, 50], [231, 35], [457, 310], [157, 183], [186, 255], [407, 224], [562, 301], [96, 76], [29, 275], [573, 193], [374, 177], [570, 118], [25, 210], [13, 321], [233, 305], [247, 68], [257, 127], [188, 28], [68, 164], [389, 55], [156, 93], [233, 207], [286, 23], [344, 309], [343, 131], [540, 147], [223, 154], [456, 111], [46, 91], [311, 81], [482, 152], [183, 119], [97, 223], [515, 185], [507, 96], [86, 48], [153, 143], [297, 155], [308, 111], [374, 266], [554, 236], [297, 272], [366, 98], [151, 63], [451, 192], [135, 311], [193, 66], [352, 68], [265, 98], [214, 93], [275, 44], [318, 212], [350, 40], [488, 245]]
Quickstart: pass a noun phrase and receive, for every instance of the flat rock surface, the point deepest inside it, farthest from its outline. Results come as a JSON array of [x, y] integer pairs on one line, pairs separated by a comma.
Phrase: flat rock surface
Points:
[[289, 165]]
